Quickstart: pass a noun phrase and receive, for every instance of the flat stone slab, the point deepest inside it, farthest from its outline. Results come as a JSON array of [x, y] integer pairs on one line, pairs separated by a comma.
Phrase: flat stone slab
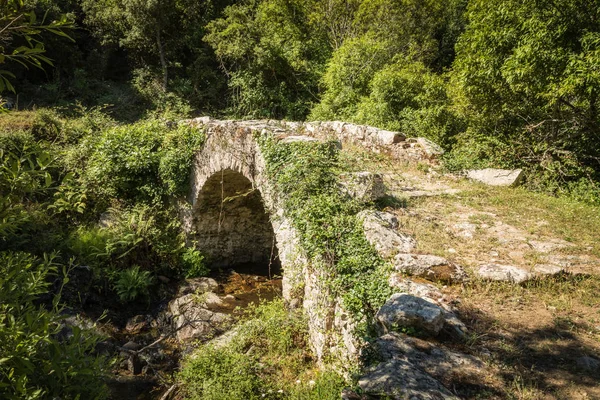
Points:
[[294, 139], [401, 380], [511, 273], [496, 177], [430, 267]]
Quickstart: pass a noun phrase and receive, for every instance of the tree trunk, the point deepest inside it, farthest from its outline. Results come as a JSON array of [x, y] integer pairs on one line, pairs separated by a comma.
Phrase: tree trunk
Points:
[[163, 61]]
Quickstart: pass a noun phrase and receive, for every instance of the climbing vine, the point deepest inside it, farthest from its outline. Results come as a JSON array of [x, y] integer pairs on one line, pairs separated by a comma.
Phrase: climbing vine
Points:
[[306, 175]]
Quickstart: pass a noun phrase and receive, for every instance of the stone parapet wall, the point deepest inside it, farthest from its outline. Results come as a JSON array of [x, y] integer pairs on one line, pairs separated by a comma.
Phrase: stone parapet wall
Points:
[[378, 140]]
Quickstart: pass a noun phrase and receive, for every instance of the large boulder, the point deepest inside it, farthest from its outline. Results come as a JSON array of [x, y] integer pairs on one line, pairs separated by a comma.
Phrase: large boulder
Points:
[[191, 320], [412, 368], [401, 380], [403, 310], [496, 177], [453, 326], [430, 267], [380, 230]]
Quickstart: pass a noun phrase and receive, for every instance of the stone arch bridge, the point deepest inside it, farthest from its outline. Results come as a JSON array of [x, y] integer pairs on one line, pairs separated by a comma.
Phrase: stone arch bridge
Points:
[[235, 215]]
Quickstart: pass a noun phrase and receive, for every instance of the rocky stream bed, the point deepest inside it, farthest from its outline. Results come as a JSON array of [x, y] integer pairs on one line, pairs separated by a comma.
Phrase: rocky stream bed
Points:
[[147, 340]]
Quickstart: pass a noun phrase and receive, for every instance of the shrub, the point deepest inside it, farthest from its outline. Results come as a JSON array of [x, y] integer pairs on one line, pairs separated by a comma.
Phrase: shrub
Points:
[[36, 362], [133, 284], [193, 263], [142, 162], [47, 125]]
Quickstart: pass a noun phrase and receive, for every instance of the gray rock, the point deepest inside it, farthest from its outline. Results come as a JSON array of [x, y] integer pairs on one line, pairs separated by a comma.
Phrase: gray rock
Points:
[[588, 363], [430, 359], [496, 177], [363, 186], [198, 285], [138, 323], [506, 273], [132, 346], [386, 138], [430, 267], [294, 139], [401, 380], [192, 321], [380, 230], [453, 326], [511, 273], [430, 148], [405, 310]]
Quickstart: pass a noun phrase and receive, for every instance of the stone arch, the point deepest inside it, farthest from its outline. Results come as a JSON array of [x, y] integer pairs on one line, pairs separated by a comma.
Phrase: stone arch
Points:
[[231, 155], [233, 227]]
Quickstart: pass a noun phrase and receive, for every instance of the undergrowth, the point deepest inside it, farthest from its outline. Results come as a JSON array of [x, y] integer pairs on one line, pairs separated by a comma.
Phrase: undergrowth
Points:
[[265, 358]]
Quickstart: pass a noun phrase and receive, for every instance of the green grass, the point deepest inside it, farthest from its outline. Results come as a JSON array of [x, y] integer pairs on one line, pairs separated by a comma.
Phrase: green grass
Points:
[[540, 214], [267, 357]]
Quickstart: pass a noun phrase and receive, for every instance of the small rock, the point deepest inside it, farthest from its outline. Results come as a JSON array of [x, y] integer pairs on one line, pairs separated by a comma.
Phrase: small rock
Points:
[[380, 231], [192, 320], [138, 323], [548, 246], [363, 186], [511, 273], [496, 177], [132, 346], [404, 310], [430, 148], [349, 394], [465, 229], [198, 285], [212, 301], [506, 273], [163, 279], [429, 267], [588, 363]]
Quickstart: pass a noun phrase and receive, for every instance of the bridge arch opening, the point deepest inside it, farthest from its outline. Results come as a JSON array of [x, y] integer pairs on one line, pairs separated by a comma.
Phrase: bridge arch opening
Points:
[[232, 226]]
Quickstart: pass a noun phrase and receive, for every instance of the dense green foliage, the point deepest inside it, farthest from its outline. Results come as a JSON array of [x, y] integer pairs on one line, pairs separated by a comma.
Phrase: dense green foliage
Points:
[[58, 177], [268, 345], [38, 360], [527, 82]]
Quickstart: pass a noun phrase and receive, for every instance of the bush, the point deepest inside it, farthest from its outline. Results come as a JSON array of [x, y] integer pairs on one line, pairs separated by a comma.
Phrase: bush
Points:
[[142, 162], [133, 284], [36, 362], [193, 263]]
